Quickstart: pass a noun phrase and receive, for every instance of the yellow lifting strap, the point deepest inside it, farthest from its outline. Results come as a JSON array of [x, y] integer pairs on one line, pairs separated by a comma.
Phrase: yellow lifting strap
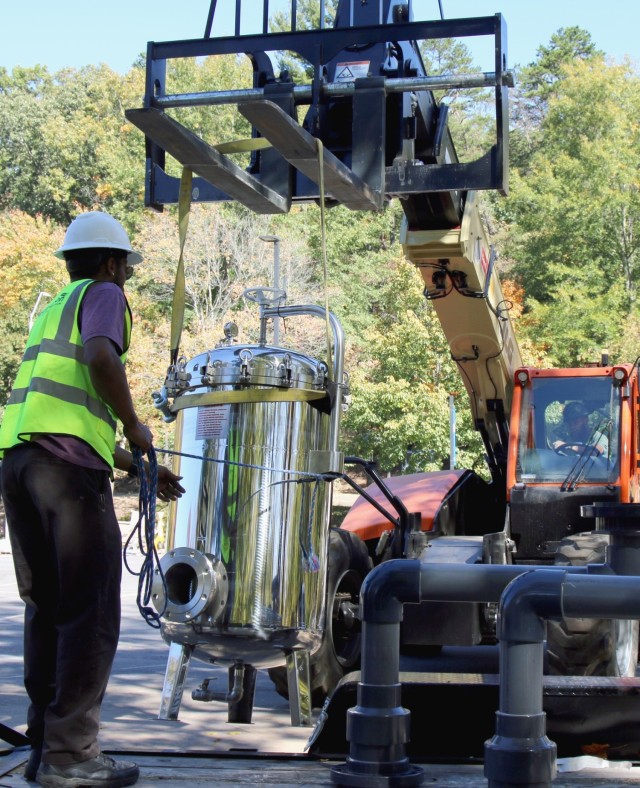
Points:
[[241, 146], [184, 208], [323, 236], [245, 396], [177, 308]]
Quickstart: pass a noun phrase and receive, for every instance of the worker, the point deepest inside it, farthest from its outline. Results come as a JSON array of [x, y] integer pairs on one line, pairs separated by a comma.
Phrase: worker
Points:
[[58, 438], [576, 432]]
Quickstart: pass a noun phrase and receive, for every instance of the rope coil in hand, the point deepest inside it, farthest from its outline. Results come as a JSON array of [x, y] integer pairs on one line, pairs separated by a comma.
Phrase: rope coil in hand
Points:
[[145, 529]]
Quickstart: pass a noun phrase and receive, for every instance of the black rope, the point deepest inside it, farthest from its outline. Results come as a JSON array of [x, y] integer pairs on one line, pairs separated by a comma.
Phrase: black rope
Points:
[[145, 530]]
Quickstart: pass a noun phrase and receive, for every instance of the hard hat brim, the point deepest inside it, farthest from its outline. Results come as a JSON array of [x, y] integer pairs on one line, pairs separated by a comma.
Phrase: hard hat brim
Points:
[[133, 258]]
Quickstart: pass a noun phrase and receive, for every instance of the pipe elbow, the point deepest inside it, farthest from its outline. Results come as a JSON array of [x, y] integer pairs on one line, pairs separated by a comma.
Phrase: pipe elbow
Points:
[[387, 587], [526, 604]]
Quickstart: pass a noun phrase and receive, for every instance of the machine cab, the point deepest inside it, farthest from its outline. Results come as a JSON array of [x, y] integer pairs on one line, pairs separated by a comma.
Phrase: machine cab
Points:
[[573, 442]]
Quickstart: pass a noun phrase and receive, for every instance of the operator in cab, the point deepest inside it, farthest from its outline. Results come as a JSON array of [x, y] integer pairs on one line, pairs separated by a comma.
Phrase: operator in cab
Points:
[[576, 433]]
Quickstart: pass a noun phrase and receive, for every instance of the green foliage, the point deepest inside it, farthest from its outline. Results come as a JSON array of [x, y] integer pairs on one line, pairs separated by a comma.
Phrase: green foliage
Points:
[[538, 80], [572, 218], [568, 233], [214, 124], [537, 83], [399, 414], [62, 146], [27, 268]]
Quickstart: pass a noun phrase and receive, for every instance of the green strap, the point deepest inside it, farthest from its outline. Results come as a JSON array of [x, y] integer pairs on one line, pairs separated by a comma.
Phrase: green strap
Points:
[[177, 309]]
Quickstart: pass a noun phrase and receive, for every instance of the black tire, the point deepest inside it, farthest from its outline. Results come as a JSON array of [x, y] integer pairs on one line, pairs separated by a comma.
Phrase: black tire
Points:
[[589, 646], [348, 565]]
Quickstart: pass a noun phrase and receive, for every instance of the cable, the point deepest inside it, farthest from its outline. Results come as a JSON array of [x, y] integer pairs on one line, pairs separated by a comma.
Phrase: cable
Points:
[[145, 530], [325, 477]]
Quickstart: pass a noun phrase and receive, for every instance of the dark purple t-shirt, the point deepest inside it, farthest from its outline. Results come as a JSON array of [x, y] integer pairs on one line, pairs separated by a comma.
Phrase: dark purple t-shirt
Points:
[[102, 314]]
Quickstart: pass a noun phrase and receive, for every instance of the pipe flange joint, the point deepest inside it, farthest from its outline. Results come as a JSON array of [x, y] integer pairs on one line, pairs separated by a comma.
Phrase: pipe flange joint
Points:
[[378, 727], [520, 752], [189, 585]]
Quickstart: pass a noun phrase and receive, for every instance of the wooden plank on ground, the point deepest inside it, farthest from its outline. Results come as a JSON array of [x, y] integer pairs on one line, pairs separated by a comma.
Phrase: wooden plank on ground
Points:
[[300, 149], [266, 772], [194, 153]]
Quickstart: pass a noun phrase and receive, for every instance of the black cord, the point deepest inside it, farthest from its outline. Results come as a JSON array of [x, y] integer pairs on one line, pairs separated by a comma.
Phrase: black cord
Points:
[[145, 530]]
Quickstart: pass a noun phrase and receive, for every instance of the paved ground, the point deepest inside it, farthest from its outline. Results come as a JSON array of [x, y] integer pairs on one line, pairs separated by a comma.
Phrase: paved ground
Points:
[[131, 704], [129, 718]]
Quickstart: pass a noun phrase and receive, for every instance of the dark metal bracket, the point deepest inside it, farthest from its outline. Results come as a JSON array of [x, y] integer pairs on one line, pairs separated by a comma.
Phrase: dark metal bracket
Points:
[[383, 134]]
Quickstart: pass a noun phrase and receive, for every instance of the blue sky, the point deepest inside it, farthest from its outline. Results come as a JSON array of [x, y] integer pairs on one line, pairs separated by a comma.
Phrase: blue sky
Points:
[[60, 33]]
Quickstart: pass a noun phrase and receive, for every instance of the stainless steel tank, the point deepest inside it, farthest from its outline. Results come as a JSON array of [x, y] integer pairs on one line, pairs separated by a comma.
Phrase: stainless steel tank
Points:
[[245, 569]]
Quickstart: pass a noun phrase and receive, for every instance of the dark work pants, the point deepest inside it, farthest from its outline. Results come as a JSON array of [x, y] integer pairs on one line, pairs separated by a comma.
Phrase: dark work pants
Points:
[[66, 546]]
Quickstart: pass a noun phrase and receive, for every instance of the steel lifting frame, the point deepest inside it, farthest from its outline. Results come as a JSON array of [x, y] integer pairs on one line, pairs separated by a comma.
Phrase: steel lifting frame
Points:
[[383, 150]]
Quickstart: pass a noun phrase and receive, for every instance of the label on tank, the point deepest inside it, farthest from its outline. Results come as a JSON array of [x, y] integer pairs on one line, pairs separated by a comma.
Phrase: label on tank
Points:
[[213, 422]]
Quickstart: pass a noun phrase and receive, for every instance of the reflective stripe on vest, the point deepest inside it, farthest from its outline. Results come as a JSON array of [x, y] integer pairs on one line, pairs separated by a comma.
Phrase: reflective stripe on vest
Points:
[[53, 393]]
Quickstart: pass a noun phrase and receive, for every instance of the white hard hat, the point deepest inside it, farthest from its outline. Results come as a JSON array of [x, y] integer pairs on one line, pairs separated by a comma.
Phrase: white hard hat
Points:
[[97, 230]]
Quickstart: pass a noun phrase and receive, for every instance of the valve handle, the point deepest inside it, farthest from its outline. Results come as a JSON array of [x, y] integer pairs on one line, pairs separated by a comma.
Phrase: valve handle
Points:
[[264, 296]]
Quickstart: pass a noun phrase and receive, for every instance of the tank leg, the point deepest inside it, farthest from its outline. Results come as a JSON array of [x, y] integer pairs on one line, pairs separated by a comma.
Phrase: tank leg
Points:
[[299, 682], [242, 709], [174, 679]]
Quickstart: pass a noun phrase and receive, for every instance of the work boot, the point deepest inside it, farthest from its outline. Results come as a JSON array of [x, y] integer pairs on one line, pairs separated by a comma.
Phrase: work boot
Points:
[[31, 768], [101, 770]]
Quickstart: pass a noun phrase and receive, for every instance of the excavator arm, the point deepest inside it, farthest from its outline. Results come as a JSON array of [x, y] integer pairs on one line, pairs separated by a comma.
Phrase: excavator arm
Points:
[[371, 106], [458, 268]]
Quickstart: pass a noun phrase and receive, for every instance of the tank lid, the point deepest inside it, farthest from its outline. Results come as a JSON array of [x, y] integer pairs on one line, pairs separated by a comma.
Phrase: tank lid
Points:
[[239, 368]]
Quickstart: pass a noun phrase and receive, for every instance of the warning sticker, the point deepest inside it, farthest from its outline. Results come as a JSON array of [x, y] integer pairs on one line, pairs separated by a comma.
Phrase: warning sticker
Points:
[[348, 72], [213, 422]]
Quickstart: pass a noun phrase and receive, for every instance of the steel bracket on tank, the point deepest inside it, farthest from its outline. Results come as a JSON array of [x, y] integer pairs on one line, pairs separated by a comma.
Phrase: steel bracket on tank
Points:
[[299, 686]]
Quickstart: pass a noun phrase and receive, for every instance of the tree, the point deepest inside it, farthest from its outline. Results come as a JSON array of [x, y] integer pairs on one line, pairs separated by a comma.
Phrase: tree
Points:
[[214, 124], [538, 82], [62, 146], [401, 387], [28, 268], [574, 217]]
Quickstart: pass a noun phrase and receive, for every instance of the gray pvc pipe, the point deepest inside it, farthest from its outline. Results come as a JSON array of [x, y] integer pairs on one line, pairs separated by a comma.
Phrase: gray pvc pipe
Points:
[[543, 594], [527, 602], [601, 596]]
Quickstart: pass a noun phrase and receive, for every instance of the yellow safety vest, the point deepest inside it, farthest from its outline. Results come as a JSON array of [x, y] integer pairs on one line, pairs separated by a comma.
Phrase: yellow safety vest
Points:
[[53, 393]]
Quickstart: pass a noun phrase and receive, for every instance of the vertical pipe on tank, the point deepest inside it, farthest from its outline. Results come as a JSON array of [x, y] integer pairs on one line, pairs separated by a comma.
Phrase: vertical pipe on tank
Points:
[[262, 530]]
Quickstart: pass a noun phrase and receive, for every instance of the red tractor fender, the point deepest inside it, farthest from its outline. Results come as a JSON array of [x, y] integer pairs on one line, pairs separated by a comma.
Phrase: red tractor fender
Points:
[[420, 492]]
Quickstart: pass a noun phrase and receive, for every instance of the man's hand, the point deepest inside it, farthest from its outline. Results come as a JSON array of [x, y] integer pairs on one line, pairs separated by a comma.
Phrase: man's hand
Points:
[[169, 487], [138, 434]]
